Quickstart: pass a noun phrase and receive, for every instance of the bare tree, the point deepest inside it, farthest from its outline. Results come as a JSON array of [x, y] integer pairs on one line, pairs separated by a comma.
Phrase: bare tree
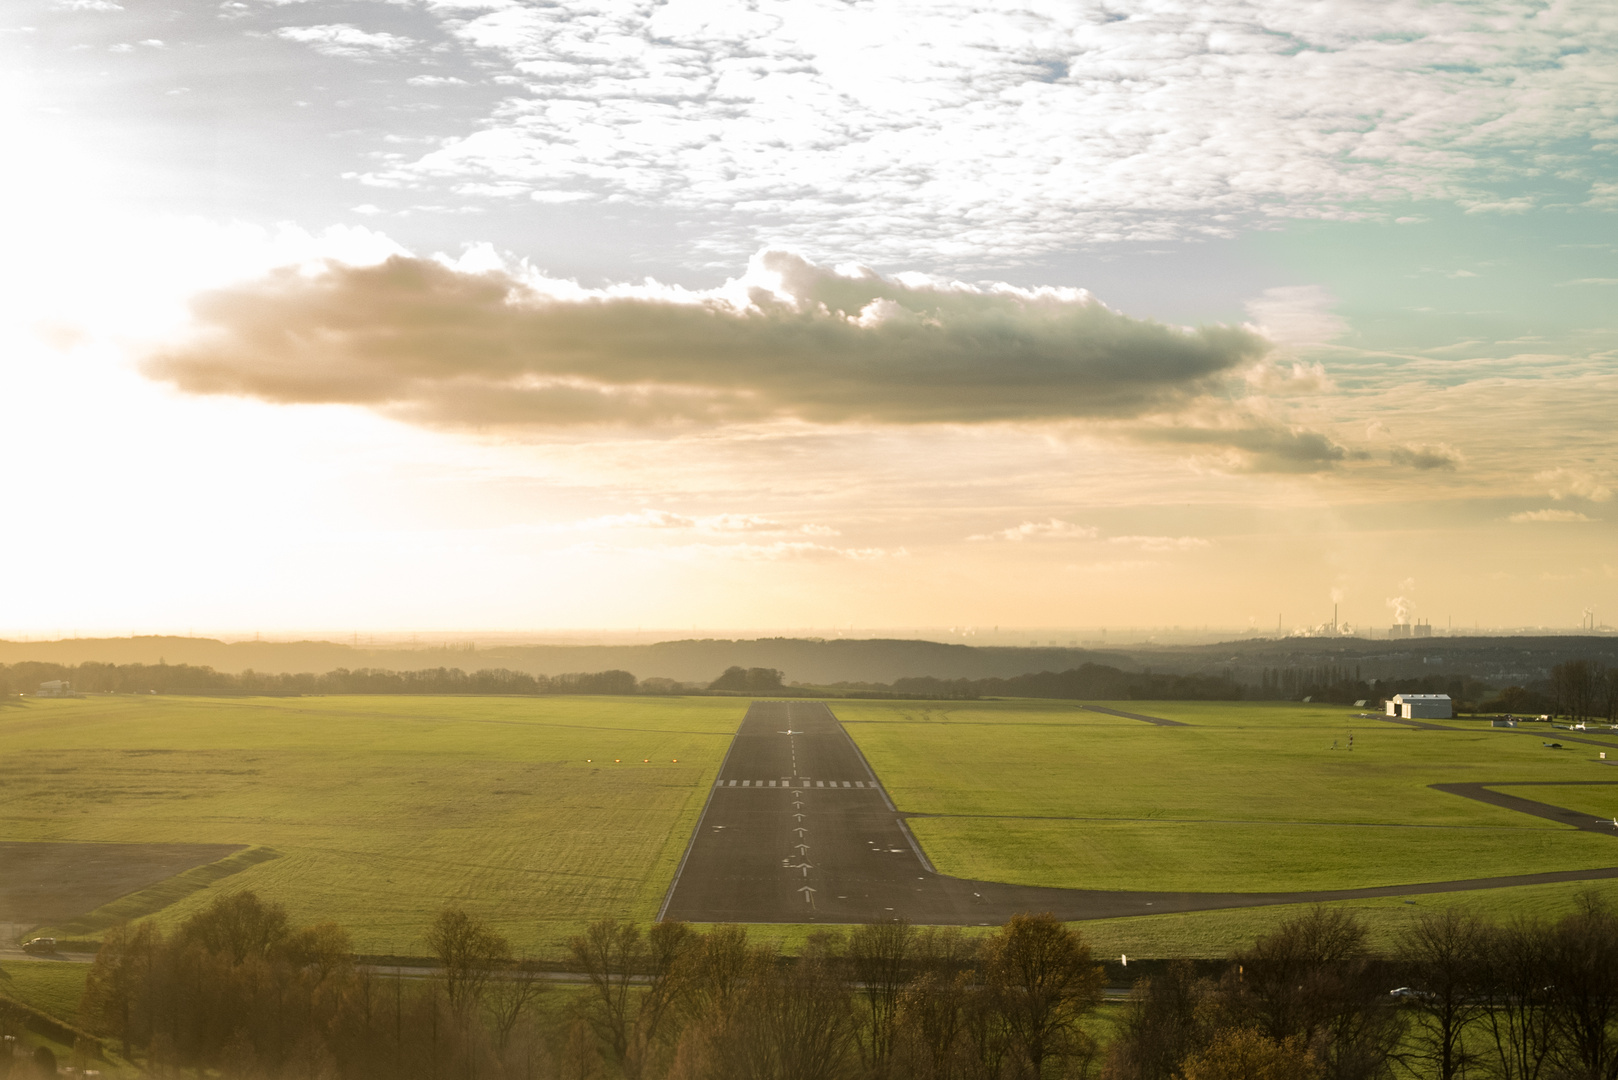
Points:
[[509, 997], [609, 953], [1443, 953], [667, 962], [881, 960], [470, 954], [1513, 989], [1582, 999]]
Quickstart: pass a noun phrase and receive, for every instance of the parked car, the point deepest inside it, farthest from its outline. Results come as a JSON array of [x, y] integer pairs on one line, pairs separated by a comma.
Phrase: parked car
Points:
[[39, 945]]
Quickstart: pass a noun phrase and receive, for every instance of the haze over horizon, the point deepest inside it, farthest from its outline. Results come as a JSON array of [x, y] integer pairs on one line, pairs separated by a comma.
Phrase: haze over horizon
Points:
[[456, 314]]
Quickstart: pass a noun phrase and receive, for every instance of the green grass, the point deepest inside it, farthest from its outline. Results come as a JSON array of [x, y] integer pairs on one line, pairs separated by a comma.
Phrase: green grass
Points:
[[52, 986], [377, 811], [381, 810], [1253, 797]]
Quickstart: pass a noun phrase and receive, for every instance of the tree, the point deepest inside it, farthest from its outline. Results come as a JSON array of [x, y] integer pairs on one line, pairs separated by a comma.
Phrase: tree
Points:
[[1312, 978], [749, 680], [237, 926], [507, 1000], [880, 960], [1582, 999], [1513, 983], [1043, 980], [1443, 953], [1249, 1054], [1576, 688], [1163, 1025], [116, 989], [796, 1023], [609, 953], [470, 953]]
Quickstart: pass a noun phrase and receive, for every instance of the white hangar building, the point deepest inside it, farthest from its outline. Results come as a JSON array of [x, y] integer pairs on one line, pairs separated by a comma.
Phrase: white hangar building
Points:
[[1421, 706]]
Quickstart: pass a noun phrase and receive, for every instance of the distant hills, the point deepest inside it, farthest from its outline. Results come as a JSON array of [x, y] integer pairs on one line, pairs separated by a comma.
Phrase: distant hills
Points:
[[696, 661], [850, 660]]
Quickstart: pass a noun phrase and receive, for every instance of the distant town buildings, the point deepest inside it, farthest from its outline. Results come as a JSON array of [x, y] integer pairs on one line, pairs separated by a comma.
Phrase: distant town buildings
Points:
[[1420, 628], [1421, 706], [54, 688]]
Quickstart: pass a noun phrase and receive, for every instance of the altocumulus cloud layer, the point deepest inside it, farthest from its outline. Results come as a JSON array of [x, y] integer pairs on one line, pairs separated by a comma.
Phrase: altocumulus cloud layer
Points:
[[448, 345], [971, 133]]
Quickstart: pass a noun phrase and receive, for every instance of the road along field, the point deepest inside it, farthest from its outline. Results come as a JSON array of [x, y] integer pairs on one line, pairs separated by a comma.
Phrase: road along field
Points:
[[538, 814], [806, 845]]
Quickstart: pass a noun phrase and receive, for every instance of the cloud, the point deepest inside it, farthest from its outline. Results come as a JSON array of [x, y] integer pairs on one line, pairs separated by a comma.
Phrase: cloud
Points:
[[1573, 484], [435, 80], [1055, 528], [1161, 543], [778, 551], [1243, 443], [483, 345], [983, 135], [1425, 456], [1528, 516], [665, 519], [345, 41], [1297, 315]]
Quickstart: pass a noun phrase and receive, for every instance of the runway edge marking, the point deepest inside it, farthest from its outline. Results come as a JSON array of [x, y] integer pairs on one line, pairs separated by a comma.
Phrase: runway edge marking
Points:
[[668, 897], [904, 826]]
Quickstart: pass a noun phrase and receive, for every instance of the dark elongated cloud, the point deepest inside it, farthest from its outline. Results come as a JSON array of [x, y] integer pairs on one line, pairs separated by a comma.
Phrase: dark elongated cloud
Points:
[[440, 345]]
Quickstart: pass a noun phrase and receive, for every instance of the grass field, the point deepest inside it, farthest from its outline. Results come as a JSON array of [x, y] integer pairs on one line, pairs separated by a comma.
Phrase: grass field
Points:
[[376, 812], [1253, 797], [50, 986]]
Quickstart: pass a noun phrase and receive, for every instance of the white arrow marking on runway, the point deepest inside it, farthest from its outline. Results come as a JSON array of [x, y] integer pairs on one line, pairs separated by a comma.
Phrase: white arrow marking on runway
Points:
[[800, 832], [801, 866], [801, 849], [798, 816], [806, 890]]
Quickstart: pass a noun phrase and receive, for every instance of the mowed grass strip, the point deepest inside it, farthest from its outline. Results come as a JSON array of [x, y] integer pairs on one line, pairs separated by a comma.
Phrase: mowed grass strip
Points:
[[382, 810], [1243, 801]]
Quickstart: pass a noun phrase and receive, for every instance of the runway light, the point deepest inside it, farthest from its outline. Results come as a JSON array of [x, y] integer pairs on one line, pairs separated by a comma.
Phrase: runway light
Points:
[[646, 760], [618, 759]]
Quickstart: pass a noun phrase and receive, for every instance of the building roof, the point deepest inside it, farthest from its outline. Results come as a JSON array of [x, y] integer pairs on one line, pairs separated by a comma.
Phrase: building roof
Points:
[[1420, 697]]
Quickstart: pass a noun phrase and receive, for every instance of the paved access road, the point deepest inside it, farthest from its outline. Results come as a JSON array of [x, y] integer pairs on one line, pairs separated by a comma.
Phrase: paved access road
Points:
[[798, 829]]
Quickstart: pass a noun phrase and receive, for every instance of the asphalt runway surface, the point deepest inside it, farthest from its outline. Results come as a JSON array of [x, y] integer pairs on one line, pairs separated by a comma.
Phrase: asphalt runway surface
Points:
[[798, 829]]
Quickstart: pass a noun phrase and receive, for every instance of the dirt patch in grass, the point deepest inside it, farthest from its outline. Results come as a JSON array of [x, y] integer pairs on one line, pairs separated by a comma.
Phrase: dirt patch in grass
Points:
[[50, 883]]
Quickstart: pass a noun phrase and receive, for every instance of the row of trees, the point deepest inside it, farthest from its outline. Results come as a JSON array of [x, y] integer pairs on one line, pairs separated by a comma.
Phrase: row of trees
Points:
[[1584, 690], [97, 678], [1087, 682], [237, 989], [1528, 1000]]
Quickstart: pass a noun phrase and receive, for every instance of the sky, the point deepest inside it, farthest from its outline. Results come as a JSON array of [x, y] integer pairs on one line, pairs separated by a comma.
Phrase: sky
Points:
[[341, 315]]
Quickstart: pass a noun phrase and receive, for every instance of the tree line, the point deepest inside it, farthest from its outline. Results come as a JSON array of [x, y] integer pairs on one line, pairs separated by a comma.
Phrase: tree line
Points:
[[236, 989], [1099, 682], [95, 678]]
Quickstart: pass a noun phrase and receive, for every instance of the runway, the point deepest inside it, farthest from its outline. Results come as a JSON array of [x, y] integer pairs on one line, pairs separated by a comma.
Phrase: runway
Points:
[[798, 829]]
